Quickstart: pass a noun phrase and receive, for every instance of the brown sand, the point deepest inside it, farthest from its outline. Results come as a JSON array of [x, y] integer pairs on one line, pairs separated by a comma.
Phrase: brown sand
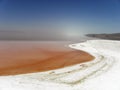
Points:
[[27, 57]]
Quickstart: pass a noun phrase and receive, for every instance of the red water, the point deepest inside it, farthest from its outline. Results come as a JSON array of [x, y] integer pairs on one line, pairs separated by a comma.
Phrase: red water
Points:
[[27, 57]]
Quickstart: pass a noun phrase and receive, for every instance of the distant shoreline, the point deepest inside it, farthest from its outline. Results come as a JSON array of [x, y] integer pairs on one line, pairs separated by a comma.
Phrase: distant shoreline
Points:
[[112, 36]]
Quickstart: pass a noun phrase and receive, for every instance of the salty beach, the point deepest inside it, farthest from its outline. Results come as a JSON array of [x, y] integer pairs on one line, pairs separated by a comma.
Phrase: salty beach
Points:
[[101, 73]]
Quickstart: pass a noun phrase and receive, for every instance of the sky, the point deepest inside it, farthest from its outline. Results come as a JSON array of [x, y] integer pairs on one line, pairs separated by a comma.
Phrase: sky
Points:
[[57, 19]]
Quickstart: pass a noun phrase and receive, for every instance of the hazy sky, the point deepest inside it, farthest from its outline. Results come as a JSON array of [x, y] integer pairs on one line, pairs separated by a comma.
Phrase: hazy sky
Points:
[[58, 18]]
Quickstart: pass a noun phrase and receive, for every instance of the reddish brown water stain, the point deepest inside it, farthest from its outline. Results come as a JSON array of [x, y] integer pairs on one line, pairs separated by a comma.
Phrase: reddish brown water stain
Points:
[[28, 57]]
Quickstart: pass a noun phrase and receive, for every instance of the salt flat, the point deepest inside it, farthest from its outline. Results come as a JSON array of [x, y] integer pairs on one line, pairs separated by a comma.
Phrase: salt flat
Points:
[[100, 74]]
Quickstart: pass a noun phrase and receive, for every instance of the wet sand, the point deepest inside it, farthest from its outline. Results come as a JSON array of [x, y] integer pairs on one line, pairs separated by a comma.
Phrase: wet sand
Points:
[[27, 57]]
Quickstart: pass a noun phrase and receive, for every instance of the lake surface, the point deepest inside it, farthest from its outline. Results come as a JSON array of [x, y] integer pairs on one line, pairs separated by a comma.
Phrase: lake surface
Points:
[[20, 57]]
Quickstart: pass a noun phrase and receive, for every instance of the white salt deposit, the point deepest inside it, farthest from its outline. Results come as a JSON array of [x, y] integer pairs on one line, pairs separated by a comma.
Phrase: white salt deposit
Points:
[[103, 73]]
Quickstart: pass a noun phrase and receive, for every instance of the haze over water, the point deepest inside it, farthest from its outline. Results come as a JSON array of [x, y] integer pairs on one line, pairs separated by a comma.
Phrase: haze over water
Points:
[[57, 19]]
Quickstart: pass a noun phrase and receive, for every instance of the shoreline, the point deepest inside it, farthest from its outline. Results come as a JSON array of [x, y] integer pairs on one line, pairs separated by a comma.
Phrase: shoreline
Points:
[[101, 73]]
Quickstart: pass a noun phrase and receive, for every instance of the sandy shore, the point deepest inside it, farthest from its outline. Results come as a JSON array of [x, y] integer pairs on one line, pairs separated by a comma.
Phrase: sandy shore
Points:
[[29, 57]]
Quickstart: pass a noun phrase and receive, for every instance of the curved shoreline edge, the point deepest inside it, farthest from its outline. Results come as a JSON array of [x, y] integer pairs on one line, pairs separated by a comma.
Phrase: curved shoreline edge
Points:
[[106, 63]]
